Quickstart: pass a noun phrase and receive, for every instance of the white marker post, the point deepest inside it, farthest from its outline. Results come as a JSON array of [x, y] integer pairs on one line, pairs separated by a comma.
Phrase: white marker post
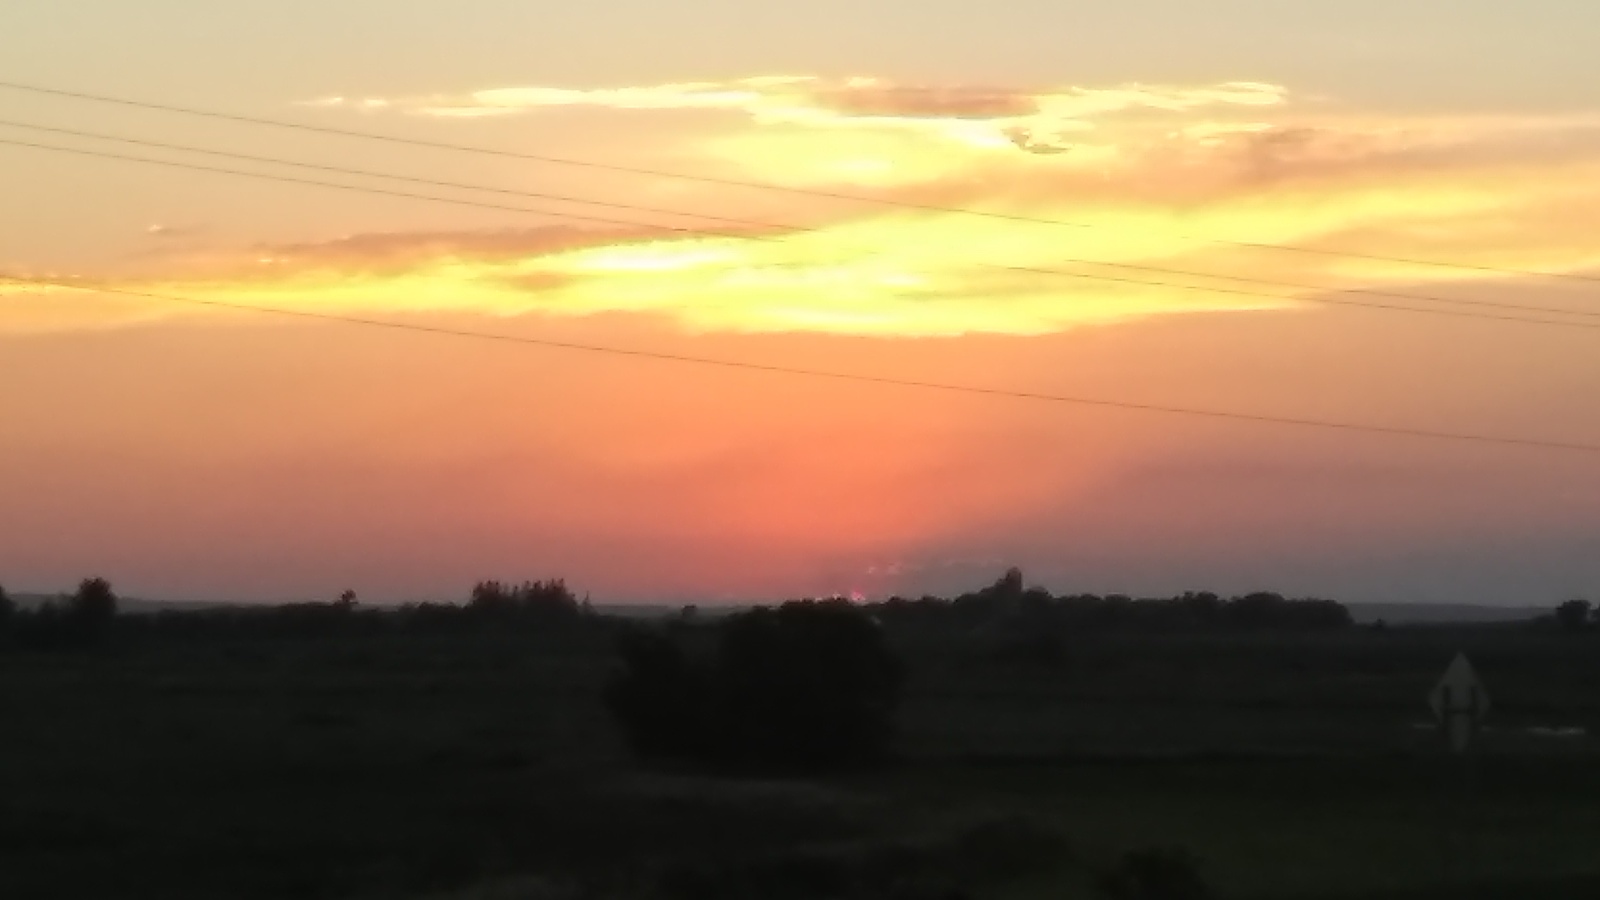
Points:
[[1460, 704]]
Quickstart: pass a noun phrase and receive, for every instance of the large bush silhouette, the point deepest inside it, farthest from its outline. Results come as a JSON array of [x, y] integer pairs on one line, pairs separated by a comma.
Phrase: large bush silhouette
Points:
[[810, 685], [1573, 615], [663, 699]]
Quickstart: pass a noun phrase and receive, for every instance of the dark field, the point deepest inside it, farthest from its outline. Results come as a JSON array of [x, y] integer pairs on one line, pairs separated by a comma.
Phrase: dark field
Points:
[[480, 766]]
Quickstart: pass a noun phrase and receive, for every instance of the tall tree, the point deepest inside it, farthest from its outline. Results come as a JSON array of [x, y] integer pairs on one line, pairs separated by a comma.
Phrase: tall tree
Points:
[[92, 608]]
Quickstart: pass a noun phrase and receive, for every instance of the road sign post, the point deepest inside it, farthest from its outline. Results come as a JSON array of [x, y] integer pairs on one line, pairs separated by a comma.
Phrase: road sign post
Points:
[[1460, 705]]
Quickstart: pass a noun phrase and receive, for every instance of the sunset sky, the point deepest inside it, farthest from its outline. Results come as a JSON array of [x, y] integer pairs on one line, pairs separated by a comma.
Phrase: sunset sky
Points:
[[1123, 158]]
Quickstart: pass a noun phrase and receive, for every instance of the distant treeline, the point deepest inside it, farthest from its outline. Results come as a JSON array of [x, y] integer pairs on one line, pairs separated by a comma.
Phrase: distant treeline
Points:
[[82, 618], [90, 615], [1576, 616], [1007, 603]]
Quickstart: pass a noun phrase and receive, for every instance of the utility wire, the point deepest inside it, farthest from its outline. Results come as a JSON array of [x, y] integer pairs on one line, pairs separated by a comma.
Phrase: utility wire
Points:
[[367, 173], [771, 231], [1324, 424], [1326, 298], [755, 185], [357, 188]]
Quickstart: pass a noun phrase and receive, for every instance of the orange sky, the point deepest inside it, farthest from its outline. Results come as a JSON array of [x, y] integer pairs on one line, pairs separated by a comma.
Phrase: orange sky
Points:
[[190, 452]]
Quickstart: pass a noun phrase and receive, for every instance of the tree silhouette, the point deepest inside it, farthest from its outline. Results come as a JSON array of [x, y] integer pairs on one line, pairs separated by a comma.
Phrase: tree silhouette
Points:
[[812, 684], [1573, 615], [1010, 610], [531, 600], [808, 686], [1010, 586], [1257, 610], [70, 621], [92, 608], [1203, 608], [8, 611], [661, 699]]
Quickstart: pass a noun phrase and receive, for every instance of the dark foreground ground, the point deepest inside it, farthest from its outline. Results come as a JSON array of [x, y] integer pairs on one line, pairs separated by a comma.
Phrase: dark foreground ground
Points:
[[485, 767]]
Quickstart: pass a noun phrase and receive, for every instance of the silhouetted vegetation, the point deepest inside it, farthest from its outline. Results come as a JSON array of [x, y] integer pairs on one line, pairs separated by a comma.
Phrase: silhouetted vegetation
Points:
[[810, 685], [90, 617], [1574, 615], [94, 604], [79, 620], [532, 600], [1006, 606], [1029, 624], [663, 700], [343, 750]]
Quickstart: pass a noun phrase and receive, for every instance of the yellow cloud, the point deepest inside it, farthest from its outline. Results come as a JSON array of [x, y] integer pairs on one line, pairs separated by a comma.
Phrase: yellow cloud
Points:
[[1139, 190], [987, 117]]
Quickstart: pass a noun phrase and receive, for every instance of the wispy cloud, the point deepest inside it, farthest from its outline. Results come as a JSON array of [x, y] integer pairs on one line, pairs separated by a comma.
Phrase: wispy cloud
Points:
[[1153, 173], [1041, 121], [165, 232]]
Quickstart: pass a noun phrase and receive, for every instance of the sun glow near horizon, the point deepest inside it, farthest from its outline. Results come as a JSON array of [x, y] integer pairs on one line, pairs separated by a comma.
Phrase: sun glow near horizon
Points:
[[1143, 208]]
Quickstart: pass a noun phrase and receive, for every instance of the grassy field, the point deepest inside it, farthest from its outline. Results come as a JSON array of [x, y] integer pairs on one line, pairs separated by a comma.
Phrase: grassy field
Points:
[[478, 766]]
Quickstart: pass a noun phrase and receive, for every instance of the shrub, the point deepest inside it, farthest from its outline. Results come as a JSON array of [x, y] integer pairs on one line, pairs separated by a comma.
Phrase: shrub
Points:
[[1573, 615], [811, 684], [661, 699], [806, 686]]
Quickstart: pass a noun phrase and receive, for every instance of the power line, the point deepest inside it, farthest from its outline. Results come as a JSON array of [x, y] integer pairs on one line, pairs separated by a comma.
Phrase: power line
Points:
[[1328, 298], [434, 182], [757, 185], [1324, 424], [771, 228], [357, 188]]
